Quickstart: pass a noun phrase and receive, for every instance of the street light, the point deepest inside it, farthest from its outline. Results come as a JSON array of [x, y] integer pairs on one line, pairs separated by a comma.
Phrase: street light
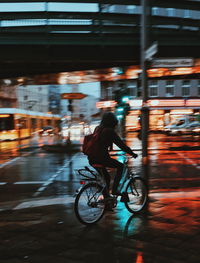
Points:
[[145, 14]]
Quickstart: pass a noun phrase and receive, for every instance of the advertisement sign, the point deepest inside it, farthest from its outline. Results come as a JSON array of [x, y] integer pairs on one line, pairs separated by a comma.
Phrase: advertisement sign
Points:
[[172, 63], [73, 96]]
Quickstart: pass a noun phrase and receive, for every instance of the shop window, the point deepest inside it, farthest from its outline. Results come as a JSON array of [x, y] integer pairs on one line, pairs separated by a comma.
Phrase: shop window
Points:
[[186, 88], [153, 88], [170, 88], [132, 90]]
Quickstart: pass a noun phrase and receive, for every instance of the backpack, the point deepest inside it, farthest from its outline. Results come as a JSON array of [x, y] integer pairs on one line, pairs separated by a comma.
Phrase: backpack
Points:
[[91, 144]]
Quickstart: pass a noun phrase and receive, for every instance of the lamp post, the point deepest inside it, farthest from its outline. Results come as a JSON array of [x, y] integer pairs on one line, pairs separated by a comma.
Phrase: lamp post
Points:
[[30, 105], [145, 14]]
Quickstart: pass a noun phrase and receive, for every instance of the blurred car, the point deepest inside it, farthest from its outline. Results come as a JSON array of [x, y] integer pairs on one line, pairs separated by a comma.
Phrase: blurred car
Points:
[[47, 131], [194, 127], [182, 126]]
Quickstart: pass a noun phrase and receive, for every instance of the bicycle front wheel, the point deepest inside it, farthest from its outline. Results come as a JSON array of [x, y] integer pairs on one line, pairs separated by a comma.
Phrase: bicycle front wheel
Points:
[[90, 204], [137, 193]]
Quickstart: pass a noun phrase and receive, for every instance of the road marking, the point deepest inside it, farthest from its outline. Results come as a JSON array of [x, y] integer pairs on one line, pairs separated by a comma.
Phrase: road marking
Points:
[[52, 178], [18, 183], [45, 202], [15, 159], [189, 160], [30, 182], [178, 194], [9, 162], [69, 199]]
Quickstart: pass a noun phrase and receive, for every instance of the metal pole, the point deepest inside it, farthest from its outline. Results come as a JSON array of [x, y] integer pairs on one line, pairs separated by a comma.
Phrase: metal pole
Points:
[[144, 82]]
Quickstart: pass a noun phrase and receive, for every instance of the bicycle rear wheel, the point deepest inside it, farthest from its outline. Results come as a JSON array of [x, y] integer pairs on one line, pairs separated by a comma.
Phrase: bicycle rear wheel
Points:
[[89, 204], [137, 193]]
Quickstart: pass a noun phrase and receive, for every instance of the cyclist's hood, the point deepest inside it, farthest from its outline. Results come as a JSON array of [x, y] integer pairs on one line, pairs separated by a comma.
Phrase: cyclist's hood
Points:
[[109, 120]]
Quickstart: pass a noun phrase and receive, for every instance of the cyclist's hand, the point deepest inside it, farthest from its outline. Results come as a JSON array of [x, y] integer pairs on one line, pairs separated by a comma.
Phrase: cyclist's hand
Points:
[[135, 155]]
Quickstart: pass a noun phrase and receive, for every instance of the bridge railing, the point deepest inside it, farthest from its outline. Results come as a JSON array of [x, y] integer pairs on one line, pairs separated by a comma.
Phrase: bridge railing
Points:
[[87, 21]]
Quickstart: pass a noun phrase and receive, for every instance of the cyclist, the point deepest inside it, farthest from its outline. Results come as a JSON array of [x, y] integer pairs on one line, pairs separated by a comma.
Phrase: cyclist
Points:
[[108, 136]]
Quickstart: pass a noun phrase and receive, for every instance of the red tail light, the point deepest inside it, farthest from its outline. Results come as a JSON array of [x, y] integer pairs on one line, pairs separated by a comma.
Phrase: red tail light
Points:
[[82, 182]]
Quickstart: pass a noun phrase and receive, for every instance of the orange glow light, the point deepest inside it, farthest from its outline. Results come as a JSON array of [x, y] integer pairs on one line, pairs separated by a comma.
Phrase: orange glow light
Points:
[[106, 104], [193, 102], [139, 258], [4, 115], [166, 103]]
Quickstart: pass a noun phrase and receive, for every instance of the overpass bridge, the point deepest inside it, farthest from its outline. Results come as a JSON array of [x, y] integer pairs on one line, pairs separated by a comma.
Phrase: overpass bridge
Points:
[[44, 40]]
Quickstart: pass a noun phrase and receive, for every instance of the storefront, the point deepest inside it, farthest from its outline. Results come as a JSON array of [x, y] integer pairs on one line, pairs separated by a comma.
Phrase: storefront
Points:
[[162, 112]]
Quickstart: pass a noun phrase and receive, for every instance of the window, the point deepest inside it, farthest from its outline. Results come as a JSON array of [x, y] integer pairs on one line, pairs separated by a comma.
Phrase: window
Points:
[[109, 93], [170, 12], [133, 90], [170, 88], [186, 88], [155, 11], [186, 13], [153, 88], [132, 9]]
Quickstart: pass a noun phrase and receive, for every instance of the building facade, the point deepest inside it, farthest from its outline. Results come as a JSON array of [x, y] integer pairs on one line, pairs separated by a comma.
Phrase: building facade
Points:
[[168, 99], [33, 97], [82, 110], [8, 97]]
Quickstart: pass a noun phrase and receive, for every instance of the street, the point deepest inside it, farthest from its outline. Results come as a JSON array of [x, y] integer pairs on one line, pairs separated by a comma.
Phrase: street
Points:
[[38, 222], [37, 173]]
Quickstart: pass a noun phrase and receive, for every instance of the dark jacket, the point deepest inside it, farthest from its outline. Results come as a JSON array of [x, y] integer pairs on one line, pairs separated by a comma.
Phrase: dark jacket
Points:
[[108, 136]]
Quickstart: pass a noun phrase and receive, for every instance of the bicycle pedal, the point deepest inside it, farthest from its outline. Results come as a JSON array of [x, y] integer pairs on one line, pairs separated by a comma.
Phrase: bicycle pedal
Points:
[[124, 198]]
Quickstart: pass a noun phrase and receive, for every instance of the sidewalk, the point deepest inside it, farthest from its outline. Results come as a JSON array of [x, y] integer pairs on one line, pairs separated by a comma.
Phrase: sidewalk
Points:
[[46, 230]]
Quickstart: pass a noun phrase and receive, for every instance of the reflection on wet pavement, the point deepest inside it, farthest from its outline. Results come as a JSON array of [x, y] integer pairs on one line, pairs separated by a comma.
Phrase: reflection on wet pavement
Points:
[[168, 231]]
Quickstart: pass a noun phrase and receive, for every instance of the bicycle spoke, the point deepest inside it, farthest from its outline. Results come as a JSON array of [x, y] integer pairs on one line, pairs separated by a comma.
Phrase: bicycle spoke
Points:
[[87, 206]]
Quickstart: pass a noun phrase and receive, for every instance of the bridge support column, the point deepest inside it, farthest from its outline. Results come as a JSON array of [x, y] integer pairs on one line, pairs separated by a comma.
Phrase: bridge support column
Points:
[[145, 28]]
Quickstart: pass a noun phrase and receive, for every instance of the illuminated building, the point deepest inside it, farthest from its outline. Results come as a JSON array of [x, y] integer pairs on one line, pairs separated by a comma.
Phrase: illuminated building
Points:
[[168, 99], [8, 97]]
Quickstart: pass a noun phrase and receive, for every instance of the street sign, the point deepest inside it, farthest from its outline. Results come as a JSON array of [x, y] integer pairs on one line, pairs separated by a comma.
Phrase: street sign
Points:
[[172, 62], [73, 96], [151, 51]]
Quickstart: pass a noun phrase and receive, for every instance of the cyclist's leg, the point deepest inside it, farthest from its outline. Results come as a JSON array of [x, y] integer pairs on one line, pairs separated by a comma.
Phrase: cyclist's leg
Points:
[[106, 176], [112, 163], [102, 171]]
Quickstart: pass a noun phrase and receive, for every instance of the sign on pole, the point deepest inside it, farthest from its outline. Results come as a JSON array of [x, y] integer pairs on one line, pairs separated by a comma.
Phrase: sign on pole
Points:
[[73, 96], [172, 62], [151, 51]]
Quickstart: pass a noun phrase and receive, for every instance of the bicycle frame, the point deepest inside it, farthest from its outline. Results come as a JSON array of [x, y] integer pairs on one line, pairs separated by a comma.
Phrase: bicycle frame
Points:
[[125, 176], [99, 178]]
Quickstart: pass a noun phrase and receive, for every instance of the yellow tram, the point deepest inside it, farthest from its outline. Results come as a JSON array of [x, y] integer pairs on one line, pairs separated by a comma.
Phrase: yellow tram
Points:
[[18, 123]]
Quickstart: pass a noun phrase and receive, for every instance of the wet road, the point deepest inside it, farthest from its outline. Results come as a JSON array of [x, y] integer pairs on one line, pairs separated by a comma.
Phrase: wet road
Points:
[[37, 222], [38, 174]]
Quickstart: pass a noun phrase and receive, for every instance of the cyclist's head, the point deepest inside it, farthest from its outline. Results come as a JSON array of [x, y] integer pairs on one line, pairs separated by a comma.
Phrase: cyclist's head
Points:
[[109, 120]]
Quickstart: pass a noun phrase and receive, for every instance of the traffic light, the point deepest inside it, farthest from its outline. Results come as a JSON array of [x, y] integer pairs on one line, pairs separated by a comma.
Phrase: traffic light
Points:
[[120, 112], [125, 99], [70, 106]]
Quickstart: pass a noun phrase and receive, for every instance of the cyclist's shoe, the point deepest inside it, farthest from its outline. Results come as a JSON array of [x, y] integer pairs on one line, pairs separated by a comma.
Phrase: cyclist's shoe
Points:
[[124, 198]]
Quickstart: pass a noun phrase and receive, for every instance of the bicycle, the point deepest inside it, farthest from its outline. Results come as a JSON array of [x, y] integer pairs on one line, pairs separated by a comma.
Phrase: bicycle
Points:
[[90, 201]]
